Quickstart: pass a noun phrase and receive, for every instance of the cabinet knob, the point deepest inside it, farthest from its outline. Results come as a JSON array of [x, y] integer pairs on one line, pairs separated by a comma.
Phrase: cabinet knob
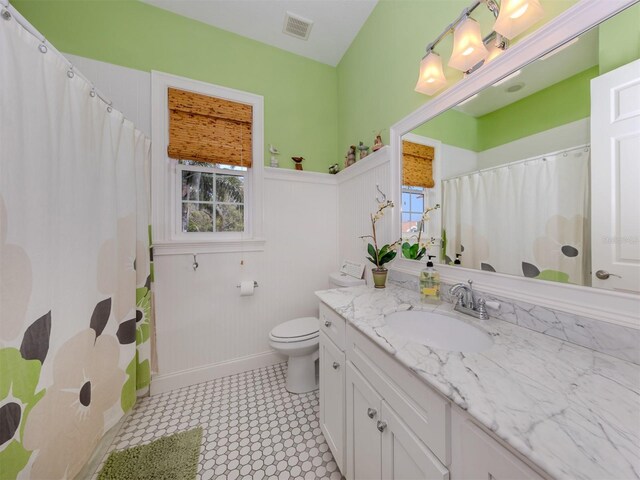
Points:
[[336, 365], [381, 426], [371, 412], [327, 323]]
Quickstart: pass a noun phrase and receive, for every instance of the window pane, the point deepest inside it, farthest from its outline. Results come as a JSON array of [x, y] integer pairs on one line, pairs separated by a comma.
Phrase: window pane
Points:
[[230, 189], [229, 218], [417, 203], [197, 186], [197, 217], [406, 202]]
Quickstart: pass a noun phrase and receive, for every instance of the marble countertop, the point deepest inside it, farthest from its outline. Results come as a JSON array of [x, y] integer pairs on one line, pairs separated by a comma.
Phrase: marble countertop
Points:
[[573, 411]]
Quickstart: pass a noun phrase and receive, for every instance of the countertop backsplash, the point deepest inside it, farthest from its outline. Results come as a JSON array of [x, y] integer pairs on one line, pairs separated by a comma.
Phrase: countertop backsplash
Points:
[[604, 337]]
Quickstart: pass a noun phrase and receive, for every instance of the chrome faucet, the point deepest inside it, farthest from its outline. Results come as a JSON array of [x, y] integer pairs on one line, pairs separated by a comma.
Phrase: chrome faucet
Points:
[[466, 301]]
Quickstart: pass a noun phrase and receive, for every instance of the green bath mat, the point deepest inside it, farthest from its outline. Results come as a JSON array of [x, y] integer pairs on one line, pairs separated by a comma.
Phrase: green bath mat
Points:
[[168, 458]]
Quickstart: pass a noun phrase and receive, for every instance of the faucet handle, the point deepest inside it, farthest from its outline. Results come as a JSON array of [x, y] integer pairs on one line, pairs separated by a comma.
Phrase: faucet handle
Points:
[[482, 309]]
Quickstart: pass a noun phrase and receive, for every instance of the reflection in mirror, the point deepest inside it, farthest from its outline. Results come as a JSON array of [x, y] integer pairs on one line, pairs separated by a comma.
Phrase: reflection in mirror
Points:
[[538, 174]]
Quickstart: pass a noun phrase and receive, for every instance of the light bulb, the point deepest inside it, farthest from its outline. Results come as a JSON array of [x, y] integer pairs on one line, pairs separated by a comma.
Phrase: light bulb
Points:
[[516, 16], [431, 78], [468, 48]]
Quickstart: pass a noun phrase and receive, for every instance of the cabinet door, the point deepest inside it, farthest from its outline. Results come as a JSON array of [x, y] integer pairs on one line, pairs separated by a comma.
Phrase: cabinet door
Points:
[[332, 398], [363, 437], [478, 456], [404, 456]]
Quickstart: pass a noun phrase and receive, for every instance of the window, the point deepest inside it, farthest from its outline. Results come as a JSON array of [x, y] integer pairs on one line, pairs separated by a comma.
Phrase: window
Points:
[[212, 197], [207, 166], [412, 209]]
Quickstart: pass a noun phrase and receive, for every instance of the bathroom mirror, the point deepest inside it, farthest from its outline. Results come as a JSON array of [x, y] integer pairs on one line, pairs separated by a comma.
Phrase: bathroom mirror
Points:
[[533, 175]]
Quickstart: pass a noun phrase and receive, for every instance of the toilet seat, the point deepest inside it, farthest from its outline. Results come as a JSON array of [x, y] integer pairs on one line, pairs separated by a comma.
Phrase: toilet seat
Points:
[[296, 330]]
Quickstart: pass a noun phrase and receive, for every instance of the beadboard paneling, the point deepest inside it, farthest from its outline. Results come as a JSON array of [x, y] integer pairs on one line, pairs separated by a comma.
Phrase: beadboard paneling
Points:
[[357, 200], [201, 318]]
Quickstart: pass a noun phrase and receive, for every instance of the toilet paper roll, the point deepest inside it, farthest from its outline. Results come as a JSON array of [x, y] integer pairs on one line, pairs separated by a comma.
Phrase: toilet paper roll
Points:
[[246, 288]]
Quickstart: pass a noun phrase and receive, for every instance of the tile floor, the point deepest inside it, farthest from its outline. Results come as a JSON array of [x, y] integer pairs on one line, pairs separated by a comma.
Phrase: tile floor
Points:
[[252, 427]]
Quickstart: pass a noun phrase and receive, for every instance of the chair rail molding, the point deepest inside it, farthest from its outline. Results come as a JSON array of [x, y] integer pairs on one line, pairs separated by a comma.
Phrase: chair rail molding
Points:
[[606, 305]]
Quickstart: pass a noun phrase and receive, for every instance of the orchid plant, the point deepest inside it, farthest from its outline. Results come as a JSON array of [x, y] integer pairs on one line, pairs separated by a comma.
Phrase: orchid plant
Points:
[[418, 250], [380, 256]]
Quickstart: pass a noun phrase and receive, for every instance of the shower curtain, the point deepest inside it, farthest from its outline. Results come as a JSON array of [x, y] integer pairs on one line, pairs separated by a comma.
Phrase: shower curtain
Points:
[[527, 218], [75, 272]]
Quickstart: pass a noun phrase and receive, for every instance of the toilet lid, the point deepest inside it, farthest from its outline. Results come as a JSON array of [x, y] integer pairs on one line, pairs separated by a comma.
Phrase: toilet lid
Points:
[[296, 330]]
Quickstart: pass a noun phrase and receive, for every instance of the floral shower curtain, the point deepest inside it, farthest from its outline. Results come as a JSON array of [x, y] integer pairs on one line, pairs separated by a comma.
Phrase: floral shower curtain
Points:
[[528, 218], [75, 272]]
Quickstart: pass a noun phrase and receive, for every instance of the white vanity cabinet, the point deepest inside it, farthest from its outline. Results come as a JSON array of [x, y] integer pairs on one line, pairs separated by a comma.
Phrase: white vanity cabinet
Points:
[[332, 383], [383, 422]]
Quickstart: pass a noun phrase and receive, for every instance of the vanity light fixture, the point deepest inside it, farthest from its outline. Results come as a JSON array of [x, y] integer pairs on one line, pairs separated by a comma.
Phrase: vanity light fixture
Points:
[[470, 50], [516, 16], [431, 77], [468, 47]]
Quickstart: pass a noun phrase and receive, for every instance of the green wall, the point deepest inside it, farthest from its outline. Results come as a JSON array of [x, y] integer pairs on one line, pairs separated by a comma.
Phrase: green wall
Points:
[[564, 102], [377, 75], [300, 95], [619, 39]]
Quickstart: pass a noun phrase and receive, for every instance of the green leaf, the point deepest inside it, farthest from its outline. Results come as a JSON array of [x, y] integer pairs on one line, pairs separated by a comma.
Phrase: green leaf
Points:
[[383, 251], [128, 395], [372, 260], [414, 250], [553, 276], [372, 251], [406, 250], [387, 257], [421, 253]]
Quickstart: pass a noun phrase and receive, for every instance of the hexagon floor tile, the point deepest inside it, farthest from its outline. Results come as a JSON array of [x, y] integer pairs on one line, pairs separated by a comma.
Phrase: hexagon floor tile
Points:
[[252, 427]]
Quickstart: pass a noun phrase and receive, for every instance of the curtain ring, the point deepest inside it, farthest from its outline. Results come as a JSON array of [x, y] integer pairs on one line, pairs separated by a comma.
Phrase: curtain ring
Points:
[[43, 48], [70, 73], [92, 93], [6, 14], [109, 107]]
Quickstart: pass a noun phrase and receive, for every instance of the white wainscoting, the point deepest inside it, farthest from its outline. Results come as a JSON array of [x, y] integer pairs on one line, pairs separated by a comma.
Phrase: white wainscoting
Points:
[[204, 328], [356, 200], [128, 89]]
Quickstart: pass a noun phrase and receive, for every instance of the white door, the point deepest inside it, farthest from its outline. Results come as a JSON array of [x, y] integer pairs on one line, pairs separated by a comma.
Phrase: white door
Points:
[[363, 437], [404, 456], [332, 398], [615, 179]]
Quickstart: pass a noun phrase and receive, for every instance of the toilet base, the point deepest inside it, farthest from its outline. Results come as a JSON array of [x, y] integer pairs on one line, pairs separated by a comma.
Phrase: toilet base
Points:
[[301, 373]]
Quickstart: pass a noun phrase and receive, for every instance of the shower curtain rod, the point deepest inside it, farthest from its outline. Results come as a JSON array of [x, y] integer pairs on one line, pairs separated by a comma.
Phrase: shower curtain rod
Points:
[[517, 162], [9, 11]]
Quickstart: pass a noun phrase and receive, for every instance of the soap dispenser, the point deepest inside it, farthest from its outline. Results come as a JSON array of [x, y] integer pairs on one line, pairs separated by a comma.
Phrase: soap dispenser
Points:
[[430, 283]]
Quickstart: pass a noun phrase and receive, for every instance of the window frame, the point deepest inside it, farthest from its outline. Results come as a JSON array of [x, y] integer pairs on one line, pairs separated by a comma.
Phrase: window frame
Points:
[[166, 177]]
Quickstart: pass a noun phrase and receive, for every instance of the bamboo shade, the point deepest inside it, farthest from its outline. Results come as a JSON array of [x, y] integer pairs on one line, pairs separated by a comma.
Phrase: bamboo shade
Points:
[[417, 165], [209, 129]]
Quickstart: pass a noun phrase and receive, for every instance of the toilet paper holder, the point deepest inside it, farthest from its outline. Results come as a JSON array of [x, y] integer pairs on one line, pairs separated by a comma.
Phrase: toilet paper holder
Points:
[[255, 285]]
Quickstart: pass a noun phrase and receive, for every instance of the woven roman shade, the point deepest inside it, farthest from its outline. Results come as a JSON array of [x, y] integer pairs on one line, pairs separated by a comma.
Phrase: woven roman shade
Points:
[[417, 165], [209, 129]]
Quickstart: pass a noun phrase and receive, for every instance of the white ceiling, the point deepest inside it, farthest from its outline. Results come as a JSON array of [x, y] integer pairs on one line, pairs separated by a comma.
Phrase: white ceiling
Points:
[[537, 76], [335, 22]]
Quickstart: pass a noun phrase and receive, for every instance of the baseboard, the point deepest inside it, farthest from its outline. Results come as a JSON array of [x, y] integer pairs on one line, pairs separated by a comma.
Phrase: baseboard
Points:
[[193, 376]]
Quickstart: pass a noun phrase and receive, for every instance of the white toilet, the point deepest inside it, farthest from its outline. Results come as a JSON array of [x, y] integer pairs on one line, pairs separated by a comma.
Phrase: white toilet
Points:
[[298, 339]]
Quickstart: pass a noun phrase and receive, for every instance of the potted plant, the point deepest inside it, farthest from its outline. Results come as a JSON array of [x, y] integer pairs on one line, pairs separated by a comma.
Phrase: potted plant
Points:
[[380, 255], [418, 250]]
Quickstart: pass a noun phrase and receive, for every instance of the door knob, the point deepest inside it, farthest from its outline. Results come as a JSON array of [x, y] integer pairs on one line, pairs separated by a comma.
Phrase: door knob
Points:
[[604, 275], [381, 426], [336, 365], [371, 412], [327, 323]]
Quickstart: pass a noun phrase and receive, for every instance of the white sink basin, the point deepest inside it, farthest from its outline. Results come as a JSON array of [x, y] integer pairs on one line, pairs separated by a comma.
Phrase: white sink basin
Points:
[[438, 331]]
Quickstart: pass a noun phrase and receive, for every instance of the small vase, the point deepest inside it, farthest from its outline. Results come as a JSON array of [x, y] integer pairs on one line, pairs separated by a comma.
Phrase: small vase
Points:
[[379, 277]]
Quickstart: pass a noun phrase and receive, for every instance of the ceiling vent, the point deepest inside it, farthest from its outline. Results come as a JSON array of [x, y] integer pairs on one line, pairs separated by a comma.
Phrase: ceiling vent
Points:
[[297, 26]]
